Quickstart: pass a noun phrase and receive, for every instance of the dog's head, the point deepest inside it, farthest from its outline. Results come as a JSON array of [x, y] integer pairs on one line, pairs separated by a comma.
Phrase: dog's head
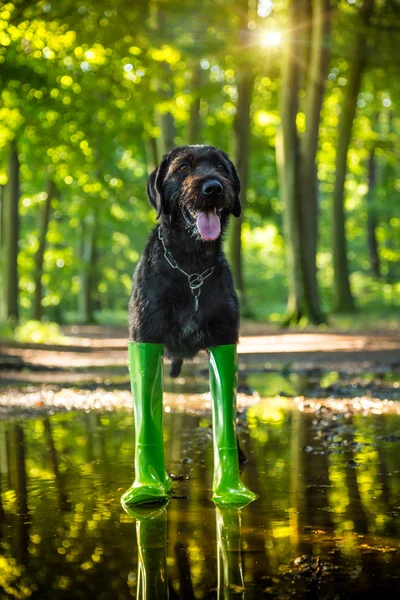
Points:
[[196, 187]]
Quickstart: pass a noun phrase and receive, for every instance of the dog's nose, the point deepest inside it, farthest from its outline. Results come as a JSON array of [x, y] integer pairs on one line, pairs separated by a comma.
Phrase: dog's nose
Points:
[[212, 186]]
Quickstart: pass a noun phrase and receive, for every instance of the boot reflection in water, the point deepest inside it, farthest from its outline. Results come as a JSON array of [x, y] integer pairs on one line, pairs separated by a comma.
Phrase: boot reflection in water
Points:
[[151, 534], [152, 483], [230, 571]]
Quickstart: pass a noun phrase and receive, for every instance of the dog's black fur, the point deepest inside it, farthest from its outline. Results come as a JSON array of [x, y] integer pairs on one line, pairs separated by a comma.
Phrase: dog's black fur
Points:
[[161, 309]]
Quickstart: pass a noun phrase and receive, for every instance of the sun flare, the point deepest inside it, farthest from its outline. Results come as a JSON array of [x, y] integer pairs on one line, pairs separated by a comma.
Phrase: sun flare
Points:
[[271, 38]]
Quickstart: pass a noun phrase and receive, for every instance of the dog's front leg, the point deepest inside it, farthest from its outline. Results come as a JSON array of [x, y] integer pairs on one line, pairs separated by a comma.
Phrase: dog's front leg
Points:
[[228, 489], [152, 482]]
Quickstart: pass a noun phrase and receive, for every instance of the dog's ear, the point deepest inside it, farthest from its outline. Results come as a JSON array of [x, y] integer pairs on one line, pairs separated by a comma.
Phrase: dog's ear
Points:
[[237, 207], [154, 188]]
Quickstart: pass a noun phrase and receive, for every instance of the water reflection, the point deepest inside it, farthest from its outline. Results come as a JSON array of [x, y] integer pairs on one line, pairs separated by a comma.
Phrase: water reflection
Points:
[[326, 524], [230, 568], [151, 538]]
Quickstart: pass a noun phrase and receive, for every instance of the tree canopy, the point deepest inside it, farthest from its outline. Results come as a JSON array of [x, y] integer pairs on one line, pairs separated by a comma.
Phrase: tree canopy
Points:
[[93, 93]]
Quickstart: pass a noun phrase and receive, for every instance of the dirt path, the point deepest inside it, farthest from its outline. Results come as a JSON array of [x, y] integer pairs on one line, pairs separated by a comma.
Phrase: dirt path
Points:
[[315, 349], [104, 348], [84, 351]]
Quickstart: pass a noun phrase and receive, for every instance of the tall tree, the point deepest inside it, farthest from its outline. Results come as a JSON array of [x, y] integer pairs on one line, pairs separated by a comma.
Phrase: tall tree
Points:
[[164, 117], [372, 221], [88, 265], [296, 156], [1, 248], [44, 218], [194, 113], [241, 151], [343, 299], [152, 157], [11, 236], [317, 73]]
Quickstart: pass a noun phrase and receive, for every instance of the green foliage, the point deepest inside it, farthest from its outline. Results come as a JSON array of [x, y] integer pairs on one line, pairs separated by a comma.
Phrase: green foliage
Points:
[[84, 90], [32, 331], [6, 331], [38, 333]]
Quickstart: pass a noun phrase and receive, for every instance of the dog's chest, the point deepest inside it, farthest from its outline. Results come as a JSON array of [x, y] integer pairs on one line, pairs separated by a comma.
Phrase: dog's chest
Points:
[[190, 327]]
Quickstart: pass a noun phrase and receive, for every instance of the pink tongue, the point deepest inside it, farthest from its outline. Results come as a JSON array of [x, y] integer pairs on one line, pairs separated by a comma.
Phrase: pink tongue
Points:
[[208, 224]]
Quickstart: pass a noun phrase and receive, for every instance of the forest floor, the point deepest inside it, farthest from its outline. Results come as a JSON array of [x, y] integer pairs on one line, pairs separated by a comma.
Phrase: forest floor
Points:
[[275, 363], [94, 347]]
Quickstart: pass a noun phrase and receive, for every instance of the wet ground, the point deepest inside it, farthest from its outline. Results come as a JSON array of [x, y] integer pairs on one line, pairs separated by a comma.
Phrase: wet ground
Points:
[[323, 451]]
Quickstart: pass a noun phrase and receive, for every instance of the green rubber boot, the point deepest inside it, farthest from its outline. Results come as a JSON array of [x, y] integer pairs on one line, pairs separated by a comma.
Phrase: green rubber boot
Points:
[[228, 490], [152, 483]]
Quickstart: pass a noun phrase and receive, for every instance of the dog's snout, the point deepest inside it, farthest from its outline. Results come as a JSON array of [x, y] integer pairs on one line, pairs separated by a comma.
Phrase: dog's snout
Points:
[[212, 186]]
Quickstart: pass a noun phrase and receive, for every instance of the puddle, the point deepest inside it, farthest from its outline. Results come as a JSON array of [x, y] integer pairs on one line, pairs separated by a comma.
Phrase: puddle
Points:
[[266, 379], [326, 524]]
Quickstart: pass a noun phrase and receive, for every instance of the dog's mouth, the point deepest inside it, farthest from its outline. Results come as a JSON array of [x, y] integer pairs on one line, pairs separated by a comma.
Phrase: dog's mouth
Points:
[[207, 221]]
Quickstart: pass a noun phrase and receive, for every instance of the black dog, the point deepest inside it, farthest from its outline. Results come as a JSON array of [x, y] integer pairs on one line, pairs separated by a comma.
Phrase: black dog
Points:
[[183, 293]]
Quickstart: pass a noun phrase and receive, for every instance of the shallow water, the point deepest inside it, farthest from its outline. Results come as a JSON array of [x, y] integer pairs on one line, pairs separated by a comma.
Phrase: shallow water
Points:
[[326, 524]]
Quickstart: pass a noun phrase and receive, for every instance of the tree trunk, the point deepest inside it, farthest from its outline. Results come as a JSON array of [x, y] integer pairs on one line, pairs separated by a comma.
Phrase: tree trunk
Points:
[[240, 155], [165, 119], [304, 34], [318, 71], [152, 159], [2, 286], [296, 158], [1, 217], [167, 126], [343, 297], [372, 217], [44, 217], [287, 156], [194, 115], [11, 237], [88, 268], [391, 241]]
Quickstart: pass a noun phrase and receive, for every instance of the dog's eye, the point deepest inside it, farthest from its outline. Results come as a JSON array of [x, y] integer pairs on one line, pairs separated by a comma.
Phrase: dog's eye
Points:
[[220, 166], [184, 167]]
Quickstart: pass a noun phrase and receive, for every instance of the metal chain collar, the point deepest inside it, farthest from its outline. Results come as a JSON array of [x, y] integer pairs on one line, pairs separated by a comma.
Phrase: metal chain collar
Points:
[[195, 280]]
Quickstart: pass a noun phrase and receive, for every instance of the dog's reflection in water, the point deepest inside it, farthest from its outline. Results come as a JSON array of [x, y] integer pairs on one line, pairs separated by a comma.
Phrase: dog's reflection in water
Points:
[[152, 579]]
